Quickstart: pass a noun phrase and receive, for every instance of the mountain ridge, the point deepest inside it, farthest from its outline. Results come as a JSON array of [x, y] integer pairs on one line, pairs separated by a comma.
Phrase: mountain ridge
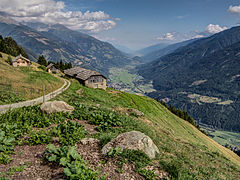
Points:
[[60, 43], [193, 79]]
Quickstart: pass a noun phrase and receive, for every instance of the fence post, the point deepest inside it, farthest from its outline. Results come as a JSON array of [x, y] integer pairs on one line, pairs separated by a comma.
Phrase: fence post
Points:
[[43, 93]]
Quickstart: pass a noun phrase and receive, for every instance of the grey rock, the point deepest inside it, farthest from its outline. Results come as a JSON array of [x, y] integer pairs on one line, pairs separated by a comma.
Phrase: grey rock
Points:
[[133, 140], [56, 106], [134, 112]]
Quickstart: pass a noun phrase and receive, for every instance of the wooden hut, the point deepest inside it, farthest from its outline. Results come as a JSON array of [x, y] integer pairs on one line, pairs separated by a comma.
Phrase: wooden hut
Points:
[[21, 61], [51, 68], [87, 77]]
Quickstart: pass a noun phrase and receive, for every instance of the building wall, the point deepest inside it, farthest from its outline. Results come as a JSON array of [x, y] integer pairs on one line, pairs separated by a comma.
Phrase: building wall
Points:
[[96, 82], [21, 62]]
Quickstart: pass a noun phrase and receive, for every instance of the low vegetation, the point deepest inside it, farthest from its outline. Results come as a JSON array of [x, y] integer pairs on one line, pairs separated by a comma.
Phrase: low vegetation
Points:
[[185, 152], [74, 166]]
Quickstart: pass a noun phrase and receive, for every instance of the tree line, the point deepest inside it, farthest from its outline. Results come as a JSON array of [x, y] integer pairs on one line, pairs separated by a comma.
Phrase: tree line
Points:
[[59, 65], [184, 115], [233, 148], [9, 46]]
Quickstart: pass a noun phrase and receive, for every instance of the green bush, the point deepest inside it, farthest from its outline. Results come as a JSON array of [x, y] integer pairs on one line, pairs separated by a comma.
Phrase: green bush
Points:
[[69, 132], [43, 68], [103, 118], [9, 60], [39, 137], [4, 158], [16, 123], [74, 166]]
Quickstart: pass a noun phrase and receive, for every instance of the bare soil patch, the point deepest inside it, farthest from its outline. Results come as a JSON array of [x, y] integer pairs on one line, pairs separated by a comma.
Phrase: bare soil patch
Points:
[[35, 168]]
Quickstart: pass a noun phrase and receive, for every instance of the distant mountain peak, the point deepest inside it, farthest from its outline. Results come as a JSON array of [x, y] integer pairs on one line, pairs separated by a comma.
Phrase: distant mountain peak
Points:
[[4, 18]]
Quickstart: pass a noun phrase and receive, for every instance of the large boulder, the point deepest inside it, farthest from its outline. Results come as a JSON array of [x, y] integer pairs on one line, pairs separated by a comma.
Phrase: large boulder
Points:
[[133, 140], [56, 106]]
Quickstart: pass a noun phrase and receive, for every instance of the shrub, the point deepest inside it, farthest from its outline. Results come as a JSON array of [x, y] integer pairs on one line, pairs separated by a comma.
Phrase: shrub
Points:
[[9, 60], [69, 132], [74, 166], [43, 68], [40, 137], [103, 118]]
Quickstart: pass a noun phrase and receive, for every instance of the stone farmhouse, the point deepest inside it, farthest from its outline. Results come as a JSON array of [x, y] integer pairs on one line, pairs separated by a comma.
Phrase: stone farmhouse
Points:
[[51, 68], [87, 77], [21, 61]]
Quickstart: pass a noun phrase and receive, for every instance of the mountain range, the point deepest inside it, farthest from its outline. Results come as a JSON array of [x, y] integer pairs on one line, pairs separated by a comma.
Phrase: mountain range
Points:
[[149, 49], [162, 51], [56, 43], [202, 78]]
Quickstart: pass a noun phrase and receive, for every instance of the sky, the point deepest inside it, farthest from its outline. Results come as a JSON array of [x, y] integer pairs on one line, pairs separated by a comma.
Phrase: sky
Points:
[[131, 23]]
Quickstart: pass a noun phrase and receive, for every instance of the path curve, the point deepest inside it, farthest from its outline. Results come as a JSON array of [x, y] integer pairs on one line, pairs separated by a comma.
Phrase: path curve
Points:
[[4, 108]]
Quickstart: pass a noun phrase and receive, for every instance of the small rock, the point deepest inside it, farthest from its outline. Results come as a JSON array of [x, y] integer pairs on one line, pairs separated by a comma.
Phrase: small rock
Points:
[[133, 140], [134, 112], [56, 106], [87, 141], [80, 91]]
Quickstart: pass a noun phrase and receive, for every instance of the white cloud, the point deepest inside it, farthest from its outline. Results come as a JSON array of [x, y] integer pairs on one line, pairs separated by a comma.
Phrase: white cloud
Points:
[[52, 12], [234, 9], [213, 29], [166, 37]]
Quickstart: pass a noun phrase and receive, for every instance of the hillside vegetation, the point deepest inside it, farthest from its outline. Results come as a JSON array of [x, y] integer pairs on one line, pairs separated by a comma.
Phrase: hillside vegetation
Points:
[[9, 46], [23, 83], [185, 153]]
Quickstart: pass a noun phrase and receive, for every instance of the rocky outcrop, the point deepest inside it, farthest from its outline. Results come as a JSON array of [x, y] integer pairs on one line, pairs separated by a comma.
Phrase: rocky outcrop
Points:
[[133, 140], [56, 106]]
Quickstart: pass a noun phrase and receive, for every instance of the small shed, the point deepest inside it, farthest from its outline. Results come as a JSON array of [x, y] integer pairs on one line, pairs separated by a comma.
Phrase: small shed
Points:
[[21, 61], [87, 77], [51, 68]]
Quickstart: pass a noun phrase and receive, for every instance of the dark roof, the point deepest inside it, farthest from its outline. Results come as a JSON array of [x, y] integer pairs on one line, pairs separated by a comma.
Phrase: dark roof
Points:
[[20, 56], [81, 73], [50, 65]]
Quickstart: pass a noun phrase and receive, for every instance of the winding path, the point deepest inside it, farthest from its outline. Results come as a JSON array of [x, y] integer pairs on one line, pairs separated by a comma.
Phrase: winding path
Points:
[[4, 108]]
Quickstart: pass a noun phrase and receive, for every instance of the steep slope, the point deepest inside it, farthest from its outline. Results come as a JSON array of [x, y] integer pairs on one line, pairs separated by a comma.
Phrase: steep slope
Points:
[[60, 43], [164, 51], [144, 51], [185, 153], [22, 83], [96, 54], [202, 78]]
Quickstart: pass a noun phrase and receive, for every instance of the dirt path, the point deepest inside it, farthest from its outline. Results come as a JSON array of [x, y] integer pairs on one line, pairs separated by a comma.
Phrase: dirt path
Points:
[[4, 108]]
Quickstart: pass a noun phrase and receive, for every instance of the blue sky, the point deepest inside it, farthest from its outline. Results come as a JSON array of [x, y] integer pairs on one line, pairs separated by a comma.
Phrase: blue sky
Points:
[[143, 21], [131, 23]]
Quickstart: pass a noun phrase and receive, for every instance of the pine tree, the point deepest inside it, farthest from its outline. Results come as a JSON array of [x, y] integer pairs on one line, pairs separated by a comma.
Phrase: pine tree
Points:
[[42, 61]]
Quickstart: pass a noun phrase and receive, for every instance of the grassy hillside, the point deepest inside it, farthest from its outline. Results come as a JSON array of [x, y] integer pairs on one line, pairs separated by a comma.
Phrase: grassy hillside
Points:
[[23, 83], [182, 146], [185, 153]]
